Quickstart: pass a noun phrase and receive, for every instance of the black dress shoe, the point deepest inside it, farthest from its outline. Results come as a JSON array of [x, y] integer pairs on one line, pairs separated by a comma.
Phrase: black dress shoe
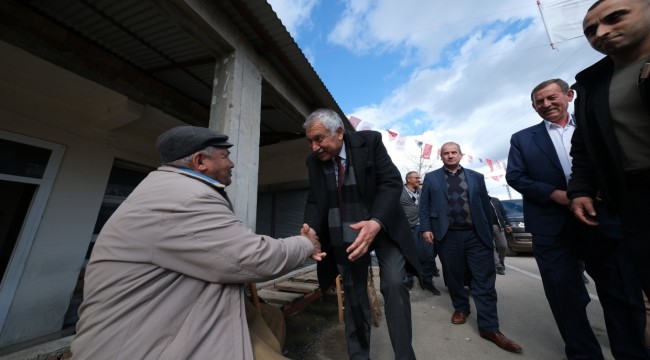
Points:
[[501, 270], [431, 287]]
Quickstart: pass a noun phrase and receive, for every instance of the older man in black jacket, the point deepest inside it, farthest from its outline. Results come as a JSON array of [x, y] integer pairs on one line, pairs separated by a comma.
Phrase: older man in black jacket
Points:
[[353, 205]]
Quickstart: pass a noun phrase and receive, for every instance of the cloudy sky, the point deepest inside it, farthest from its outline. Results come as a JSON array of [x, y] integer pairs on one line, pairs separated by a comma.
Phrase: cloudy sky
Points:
[[437, 71]]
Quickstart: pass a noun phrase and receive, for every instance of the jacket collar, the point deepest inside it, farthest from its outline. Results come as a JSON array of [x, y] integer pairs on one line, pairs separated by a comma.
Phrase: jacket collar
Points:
[[193, 174], [543, 141]]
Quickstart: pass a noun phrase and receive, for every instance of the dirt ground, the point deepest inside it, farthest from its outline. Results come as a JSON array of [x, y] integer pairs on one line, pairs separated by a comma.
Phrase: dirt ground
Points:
[[314, 333]]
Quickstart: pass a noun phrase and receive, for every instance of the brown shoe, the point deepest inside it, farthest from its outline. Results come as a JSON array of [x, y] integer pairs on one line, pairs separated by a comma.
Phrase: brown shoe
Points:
[[459, 318], [501, 341]]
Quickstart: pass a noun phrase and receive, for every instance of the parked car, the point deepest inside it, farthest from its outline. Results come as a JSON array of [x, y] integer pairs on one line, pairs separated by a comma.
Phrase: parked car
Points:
[[519, 240]]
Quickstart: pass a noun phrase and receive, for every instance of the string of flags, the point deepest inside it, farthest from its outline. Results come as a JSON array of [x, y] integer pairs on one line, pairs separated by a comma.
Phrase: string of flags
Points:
[[497, 168]]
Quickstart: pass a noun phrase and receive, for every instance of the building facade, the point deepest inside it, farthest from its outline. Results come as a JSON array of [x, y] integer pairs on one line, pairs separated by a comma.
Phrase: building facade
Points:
[[85, 89]]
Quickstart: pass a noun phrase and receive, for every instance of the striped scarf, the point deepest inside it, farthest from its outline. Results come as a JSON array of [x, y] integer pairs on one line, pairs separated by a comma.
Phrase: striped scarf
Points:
[[340, 217]]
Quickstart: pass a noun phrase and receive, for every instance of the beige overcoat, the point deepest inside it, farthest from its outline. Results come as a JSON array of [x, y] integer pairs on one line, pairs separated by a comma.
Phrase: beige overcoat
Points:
[[166, 276]]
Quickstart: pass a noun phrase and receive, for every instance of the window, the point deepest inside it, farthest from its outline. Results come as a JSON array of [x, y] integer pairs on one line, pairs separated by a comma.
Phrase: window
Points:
[[28, 168]]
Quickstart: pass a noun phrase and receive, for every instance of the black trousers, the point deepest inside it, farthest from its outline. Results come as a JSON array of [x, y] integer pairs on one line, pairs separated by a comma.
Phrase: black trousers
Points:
[[635, 216], [558, 258], [397, 303]]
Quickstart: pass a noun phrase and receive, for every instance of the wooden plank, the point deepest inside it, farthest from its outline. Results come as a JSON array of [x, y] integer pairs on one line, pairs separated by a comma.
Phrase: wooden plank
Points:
[[297, 287], [375, 308], [289, 310], [279, 296], [292, 292], [307, 276], [296, 273]]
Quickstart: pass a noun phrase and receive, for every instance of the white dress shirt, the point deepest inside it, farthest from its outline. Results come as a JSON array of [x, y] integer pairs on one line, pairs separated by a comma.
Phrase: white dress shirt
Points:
[[561, 138]]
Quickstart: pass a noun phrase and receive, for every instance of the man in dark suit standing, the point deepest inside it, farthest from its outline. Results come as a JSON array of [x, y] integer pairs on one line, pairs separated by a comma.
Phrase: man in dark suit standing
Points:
[[539, 167], [353, 205], [611, 150], [455, 211], [500, 226], [410, 200]]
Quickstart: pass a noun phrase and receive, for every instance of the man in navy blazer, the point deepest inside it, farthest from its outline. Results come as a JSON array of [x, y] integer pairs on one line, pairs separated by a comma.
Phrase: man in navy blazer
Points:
[[455, 212], [539, 167], [353, 206]]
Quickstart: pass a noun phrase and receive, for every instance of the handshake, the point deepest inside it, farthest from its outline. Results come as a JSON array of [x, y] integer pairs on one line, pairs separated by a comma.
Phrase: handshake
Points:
[[310, 234]]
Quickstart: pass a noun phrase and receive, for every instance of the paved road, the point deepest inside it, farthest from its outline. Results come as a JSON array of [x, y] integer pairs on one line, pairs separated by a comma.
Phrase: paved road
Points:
[[524, 317]]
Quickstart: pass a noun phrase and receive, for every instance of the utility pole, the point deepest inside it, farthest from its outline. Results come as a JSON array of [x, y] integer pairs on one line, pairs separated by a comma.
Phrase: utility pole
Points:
[[508, 191]]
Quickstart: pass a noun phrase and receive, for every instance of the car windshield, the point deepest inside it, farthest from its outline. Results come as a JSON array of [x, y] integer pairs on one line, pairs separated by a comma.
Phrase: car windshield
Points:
[[514, 208]]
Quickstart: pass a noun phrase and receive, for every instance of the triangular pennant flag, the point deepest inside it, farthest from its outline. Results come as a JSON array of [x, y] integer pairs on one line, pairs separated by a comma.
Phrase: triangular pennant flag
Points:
[[354, 121], [392, 135], [366, 126]]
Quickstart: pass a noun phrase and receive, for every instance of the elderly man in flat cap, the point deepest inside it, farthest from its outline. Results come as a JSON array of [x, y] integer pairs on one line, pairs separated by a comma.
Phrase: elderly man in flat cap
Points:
[[167, 273]]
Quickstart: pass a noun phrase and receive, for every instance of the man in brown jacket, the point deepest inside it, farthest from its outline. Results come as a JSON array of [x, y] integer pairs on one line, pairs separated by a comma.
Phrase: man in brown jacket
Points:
[[166, 276]]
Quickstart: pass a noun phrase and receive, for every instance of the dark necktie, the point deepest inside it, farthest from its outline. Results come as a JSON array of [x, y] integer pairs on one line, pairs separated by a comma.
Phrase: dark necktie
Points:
[[339, 162]]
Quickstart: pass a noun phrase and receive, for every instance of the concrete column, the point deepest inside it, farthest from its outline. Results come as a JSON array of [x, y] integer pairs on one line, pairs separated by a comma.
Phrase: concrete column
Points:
[[235, 111]]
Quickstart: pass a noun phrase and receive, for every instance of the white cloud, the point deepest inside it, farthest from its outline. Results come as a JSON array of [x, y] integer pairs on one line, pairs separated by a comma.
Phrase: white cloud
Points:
[[481, 97], [425, 25], [471, 67], [294, 13]]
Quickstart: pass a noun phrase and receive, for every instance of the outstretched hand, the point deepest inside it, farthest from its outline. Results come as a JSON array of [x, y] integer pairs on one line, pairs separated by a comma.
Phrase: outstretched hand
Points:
[[310, 234], [368, 230]]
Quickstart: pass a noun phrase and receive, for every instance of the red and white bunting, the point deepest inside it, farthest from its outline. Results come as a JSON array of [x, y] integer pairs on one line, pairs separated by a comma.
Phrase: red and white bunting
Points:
[[392, 135], [355, 121], [426, 152]]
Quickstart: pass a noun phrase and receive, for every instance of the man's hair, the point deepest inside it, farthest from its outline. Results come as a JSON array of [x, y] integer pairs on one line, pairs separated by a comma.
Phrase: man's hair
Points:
[[406, 178], [595, 5], [561, 83], [328, 117], [185, 161], [451, 143]]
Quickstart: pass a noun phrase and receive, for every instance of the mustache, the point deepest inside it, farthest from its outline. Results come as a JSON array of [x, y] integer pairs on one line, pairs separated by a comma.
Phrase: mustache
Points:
[[604, 40]]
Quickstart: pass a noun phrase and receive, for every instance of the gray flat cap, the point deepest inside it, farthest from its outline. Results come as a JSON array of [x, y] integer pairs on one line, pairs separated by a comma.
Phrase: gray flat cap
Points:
[[178, 142]]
